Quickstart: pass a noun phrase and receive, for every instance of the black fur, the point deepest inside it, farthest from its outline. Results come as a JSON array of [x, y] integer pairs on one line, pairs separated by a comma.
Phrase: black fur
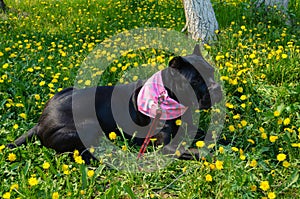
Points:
[[56, 127]]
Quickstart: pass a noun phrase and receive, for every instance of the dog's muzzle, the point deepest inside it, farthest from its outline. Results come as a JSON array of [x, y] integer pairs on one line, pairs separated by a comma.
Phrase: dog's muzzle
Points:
[[215, 93], [212, 96]]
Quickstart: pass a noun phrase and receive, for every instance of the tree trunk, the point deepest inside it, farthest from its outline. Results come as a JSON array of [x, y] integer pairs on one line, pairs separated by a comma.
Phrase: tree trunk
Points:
[[201, 22], [2, 5], [281, 4]]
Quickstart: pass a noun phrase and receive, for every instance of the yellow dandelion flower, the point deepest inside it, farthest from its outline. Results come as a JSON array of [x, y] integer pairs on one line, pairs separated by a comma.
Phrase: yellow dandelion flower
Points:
[[87, 82], [37, 97], [42, 83], [90, 173], [33, 181], [46, 165], [200, 144], [236, 117], [224, 78], [178, 122], [14, 187], [19, 105], [257, 110], [219, 165], [134, 78], [284, 56], [50, 85], [281, 157], [218, 57], [75, 153], [79, 160], [16, 126], [242, 157], [124, 148], [255, 61], [1, 54], [55, 195], [206, 163], [252, 56], [11, 157], [50, 57], [4, 66], [208, 178], [234, 149], [261, 129], [211, 146], [221, 149], [253, 188], [253, 163], [240, 89], [293, 145], [6, 195], [264, 185], [264, 136], [113, 69], [286, 164], [271, 195], [207, 47], [276, 113], [243, 97], [279, 122], [273, 138], [30, 70], [244, 123], [229, 105], [251, 141], [112, 136], [286, 121], [177, 153], [2, 147], [92, 149], [212, 166], [67, 172], [231, 128]]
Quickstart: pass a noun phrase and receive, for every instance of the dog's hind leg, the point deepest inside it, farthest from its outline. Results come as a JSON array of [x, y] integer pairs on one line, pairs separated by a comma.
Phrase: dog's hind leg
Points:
[[24, 138], [66, 140]]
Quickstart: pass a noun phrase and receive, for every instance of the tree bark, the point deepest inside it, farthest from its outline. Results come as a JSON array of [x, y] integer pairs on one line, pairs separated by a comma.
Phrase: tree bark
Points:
[[201, 22], [281, 4], [2, 5]]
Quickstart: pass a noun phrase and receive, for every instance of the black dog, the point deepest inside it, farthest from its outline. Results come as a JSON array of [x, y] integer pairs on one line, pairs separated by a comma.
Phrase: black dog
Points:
[[73, 118]]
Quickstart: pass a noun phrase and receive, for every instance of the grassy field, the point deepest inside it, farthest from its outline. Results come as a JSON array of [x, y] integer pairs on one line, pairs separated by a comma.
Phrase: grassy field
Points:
[[42, 46]]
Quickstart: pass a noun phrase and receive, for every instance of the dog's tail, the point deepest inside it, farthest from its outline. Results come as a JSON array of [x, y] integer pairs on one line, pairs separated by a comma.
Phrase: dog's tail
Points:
[[24, 138]]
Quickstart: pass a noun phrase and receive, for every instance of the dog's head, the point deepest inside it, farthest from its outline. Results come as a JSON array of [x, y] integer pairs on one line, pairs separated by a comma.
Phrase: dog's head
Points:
[[200, 75]]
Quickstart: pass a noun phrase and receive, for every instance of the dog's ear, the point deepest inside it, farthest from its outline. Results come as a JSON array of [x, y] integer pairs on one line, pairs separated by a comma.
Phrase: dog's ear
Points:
[[177, 62], [197, 50]]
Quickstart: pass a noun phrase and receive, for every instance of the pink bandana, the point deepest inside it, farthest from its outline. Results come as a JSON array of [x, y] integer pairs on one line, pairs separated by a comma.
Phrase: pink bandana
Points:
[[153, 91]]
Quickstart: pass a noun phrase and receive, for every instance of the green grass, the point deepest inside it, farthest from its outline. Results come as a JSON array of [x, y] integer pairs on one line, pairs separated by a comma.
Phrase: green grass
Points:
[[43, 43]]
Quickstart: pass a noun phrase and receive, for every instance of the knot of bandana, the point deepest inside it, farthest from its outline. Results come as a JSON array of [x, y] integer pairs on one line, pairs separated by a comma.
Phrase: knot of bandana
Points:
[[153, 96]]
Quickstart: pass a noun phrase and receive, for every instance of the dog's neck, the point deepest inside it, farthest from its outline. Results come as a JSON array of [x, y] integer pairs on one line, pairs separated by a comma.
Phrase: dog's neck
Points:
[[153, 95]]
